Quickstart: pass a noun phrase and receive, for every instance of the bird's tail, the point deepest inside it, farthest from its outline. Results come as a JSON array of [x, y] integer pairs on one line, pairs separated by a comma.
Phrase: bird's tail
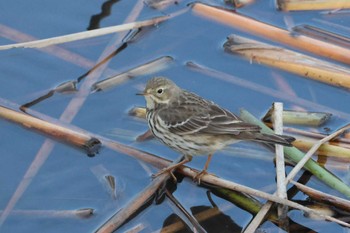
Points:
[[274, 139]]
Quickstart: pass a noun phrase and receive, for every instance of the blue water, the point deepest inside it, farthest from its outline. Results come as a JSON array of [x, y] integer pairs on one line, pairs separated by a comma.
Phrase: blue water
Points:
[[65, 181]]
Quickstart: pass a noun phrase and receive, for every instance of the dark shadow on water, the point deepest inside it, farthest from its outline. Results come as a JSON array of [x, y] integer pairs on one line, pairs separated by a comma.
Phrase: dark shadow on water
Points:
[[218, 223]]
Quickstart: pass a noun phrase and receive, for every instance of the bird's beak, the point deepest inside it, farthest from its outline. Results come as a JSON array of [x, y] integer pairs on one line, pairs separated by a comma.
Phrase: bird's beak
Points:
[[143, 93]]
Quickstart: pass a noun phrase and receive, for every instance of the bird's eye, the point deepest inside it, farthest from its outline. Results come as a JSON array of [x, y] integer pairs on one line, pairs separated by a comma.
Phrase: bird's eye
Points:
[[160, 91]]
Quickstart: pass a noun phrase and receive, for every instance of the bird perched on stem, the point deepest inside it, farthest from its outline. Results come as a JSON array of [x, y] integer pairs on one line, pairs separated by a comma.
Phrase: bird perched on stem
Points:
[[193, 125]]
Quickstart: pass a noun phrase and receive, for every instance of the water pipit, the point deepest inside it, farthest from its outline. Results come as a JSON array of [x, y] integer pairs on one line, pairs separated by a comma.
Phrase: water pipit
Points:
[[193, 125]]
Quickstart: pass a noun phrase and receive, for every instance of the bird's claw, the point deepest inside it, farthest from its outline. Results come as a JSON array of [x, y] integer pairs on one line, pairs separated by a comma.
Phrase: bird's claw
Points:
[[198, 177], [161, 172]]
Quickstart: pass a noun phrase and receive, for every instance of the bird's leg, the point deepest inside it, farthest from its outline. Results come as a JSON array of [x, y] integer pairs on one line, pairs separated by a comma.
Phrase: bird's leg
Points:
[[204, 171], [173, 166]]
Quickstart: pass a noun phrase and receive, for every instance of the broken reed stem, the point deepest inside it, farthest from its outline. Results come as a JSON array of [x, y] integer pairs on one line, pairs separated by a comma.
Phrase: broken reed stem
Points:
[[213, 180], [277, 118], [80, 140], [280, 168], [264, 210], [313, 149], [298, 5], [301, 117], [328, 149], [144, 69], [297, 63], [55, 51], [257, 28], [341, 203], [135, 203], [85, 35], [295, 155]]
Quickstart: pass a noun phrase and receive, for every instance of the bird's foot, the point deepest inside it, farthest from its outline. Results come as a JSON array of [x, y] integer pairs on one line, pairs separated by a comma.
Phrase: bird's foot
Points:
[[172, 167], [198, 177], [165, 170]]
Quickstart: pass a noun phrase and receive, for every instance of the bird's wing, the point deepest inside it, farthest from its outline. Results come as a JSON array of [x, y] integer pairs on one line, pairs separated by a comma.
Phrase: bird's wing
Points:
[[224, 122], [202, 116]]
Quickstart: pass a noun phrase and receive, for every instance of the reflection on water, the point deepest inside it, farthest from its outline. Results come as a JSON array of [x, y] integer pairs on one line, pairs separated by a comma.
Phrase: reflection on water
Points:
[[105, 11]]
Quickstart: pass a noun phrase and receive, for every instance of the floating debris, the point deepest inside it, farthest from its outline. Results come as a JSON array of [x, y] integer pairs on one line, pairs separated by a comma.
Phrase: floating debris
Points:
[[84, 213], [161, 4], [302, 5], [321, 209], [144, 69], [300, 118], [114, 186], [288, 60], [138, 112], [239, 3], [67, 87]]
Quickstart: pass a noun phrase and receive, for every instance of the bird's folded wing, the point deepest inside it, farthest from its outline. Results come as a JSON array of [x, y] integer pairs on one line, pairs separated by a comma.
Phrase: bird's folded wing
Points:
[[191, 119]]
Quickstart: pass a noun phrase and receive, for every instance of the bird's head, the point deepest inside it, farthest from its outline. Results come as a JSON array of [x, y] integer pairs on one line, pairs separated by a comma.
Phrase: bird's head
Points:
[[159, 91]]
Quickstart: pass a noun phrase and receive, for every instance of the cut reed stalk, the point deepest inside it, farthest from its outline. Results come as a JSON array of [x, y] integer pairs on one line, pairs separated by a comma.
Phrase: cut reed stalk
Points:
[[264, 30], [89, 144]]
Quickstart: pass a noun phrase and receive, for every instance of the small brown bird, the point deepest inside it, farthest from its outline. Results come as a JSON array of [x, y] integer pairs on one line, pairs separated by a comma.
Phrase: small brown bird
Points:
[[193, 126]]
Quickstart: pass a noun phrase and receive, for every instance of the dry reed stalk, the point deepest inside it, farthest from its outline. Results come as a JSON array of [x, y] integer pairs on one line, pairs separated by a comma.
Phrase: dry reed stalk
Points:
[[312, 150], [144, 69], [338, 202], [261, 215], [56, 51], [239, 3], [161, 4], [277, 117], [210, 179], [325, 150], [340, 141], [257, 28], [302, 5], [85, 35], [300, 117], [280, 168], [288, 60], [83, 141]]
